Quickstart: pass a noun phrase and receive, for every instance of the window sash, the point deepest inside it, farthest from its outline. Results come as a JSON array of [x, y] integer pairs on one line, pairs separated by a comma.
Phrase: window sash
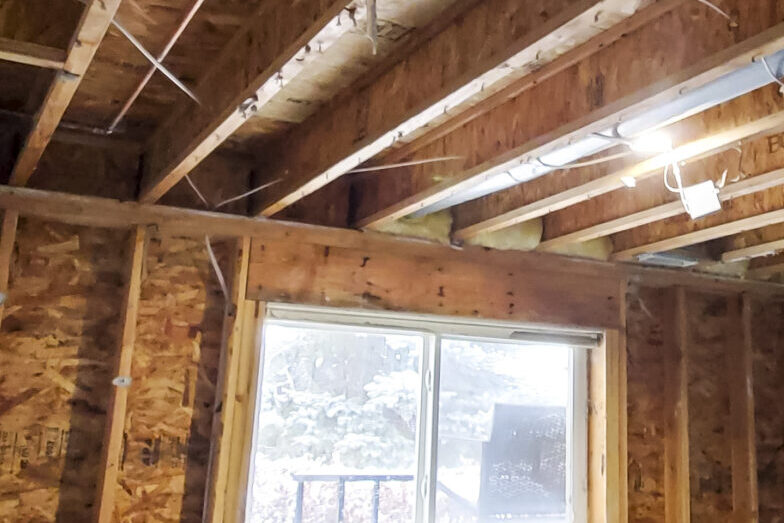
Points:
[[433, 329]]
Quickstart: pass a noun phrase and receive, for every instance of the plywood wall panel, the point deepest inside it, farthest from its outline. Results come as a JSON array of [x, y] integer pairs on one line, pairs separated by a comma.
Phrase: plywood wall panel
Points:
[[174, 371], [57, 339], [768, 371], [645, 370], [710, 453]]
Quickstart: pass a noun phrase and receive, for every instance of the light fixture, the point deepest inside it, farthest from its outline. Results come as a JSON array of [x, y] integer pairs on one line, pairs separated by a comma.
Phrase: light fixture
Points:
[[701, 199], [652, 143]]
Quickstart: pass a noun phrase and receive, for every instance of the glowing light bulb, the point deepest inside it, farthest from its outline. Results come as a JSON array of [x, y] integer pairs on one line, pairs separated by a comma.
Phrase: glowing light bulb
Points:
[[656, 142]]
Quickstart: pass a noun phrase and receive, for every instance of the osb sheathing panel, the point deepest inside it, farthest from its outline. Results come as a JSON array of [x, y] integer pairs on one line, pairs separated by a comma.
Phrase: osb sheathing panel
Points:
[[57, 341], [645, 368], [174, 371], [768, 372], [710, 453]]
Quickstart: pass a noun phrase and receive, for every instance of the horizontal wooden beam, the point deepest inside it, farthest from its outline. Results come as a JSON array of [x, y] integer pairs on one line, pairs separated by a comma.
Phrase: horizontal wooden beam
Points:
[[244, 77], [444, 72], [32, 54], [765, 268], [95, 21], [611, 182], [108, 213], [703, 235], [661, 212], [754, 251], [592, 96]]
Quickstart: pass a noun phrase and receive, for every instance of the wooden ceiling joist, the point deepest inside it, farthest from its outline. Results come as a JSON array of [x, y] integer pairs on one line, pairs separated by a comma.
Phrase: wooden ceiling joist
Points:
[[95, 21], [418, 90], [568, 59], [32, 54], [558, 110], [615, 180], [661, 212], [244, 77], [754, 251], [703, 235], [765, 268]]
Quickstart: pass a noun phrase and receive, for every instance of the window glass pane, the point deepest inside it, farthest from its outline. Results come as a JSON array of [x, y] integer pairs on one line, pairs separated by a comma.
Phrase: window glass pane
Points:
[[337, 425], [502, 440]]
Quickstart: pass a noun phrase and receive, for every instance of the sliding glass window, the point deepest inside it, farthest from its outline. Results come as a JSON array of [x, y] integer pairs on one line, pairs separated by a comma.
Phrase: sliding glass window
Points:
[[391, 418]]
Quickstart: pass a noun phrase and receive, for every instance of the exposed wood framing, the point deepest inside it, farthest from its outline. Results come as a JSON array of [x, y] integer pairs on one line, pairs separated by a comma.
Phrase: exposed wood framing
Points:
[[243, 78], [766, 270], [226, 390], [118, 402], [7, 241], [105, 212], [739, 349], [607, 481], [754, 251], [613, 181], [629, 94], [703, 235], [568, 59], [676, 443], [93, 25], [244, 413], [661, 212], [32, 54], [414, 92]]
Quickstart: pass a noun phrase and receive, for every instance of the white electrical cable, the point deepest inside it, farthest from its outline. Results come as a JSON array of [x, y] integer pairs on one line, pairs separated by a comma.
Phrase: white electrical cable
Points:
[[213, 259], [666, 181], [404, 164], [216, 268], [197, 191], [770, 71], [715, 8], [588, 163], [245, 194]]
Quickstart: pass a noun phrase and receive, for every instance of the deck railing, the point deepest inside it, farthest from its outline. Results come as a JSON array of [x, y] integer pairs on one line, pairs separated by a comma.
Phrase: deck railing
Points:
[[341, 480]]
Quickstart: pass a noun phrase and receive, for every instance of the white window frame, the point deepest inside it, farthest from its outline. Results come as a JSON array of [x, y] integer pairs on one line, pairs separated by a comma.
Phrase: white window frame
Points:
[[433, 328]]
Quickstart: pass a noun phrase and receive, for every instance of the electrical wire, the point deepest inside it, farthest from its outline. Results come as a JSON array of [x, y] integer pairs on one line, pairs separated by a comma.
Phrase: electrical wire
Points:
[[211, 254], [588, 163], [404, 164], [770, 71], [245, 194], [216, 268], [715, 8], [197, 191]]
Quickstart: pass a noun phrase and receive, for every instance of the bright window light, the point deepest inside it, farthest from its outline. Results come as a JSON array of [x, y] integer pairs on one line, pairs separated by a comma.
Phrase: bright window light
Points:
[[393, 417]]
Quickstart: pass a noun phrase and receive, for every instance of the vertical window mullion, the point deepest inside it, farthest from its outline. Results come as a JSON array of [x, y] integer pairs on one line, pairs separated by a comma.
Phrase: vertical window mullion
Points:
[[578, 436], [422, 431], [427, 493]]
